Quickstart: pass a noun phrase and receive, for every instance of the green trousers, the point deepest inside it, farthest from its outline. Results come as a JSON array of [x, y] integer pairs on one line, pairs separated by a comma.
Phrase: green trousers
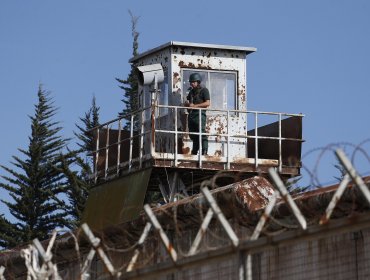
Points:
[[194, 127]]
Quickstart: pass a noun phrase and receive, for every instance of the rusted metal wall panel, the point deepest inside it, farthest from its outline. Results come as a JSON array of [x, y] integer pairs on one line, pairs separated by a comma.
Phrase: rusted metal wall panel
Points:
[[162, 57], [113, 148], [269, 148], [176, 58], [202, 58], [213, 59], [116, 201]]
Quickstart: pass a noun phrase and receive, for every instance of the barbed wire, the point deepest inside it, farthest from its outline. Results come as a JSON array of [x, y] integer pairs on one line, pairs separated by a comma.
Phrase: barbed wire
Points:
[[183, 227], [352, 150]]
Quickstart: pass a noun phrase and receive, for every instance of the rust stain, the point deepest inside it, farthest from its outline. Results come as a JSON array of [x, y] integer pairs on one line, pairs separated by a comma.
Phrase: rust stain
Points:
[[200, 66], [213, 158], [324, 220], [218, 153], [242, 98], [182, 64], [176, 79], [218, 139], [265, 216], [170, 248], [254, 192], [186, 150]]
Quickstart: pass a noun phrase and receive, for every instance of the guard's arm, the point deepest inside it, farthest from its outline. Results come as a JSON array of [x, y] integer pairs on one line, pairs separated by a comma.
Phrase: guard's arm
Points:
[[204, 104]]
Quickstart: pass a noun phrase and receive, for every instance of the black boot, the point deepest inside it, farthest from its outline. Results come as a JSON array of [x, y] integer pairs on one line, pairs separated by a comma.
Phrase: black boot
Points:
[[204, 152]]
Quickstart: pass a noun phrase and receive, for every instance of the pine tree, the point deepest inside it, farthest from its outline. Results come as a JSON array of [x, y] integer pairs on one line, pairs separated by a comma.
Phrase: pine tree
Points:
[[84, 134], [130, 85], [78, 186], [293, 187], [79, 165], [33, 184], [79, 181], [8, 233], [342, 171]]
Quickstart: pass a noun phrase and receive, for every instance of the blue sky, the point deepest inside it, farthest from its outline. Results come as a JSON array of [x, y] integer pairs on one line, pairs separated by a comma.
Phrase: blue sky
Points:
[[312, 58]]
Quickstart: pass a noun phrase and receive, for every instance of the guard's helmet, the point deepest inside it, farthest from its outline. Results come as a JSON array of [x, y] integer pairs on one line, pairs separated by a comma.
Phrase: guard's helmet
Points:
[[195, 77]]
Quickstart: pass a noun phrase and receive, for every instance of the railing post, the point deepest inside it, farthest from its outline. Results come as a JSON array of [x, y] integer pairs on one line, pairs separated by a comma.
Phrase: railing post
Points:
[[131, 142], [119, 145], [256, 140], [141, 139], [106, 154], [280, 150], [153, 127], [246, 134], [176, 136], [200, 138], [228, 140], [96, 156]]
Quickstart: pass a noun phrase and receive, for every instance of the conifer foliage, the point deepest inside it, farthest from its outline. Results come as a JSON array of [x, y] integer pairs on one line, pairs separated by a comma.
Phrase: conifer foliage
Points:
[[32, 182], [130, 85], [84, 134], [78, 168]]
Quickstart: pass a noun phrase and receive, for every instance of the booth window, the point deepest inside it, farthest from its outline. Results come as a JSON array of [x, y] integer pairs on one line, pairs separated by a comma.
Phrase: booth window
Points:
[[221, 86]]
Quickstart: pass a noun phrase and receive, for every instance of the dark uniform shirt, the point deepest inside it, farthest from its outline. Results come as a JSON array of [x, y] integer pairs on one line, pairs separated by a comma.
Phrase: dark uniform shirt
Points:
[[197, 96]]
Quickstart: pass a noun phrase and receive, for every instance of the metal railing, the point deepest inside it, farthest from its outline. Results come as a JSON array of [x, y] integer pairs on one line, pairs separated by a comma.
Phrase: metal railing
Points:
[[125, 143]]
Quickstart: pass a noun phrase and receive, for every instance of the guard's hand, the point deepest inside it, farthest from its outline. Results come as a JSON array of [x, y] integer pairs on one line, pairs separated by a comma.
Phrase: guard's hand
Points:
[[186, 104]]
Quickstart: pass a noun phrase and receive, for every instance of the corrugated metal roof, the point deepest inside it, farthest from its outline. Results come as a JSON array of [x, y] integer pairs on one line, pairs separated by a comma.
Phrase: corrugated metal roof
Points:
[[248, 50]]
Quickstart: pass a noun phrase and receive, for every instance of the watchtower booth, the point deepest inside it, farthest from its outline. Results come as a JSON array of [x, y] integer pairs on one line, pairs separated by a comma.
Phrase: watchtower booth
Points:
[[146, 155]]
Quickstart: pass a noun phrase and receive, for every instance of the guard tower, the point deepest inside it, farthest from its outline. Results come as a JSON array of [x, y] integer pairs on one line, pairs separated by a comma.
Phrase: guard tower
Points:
[[146, 155]]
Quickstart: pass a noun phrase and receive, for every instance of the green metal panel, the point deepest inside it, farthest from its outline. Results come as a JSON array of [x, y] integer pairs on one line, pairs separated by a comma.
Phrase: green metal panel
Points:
[[116, 201]]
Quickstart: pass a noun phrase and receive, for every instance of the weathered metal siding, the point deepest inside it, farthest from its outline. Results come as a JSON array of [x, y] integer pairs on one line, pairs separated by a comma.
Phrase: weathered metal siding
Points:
[[162, 57], [175, 58], [220, 60], [209, 59]]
